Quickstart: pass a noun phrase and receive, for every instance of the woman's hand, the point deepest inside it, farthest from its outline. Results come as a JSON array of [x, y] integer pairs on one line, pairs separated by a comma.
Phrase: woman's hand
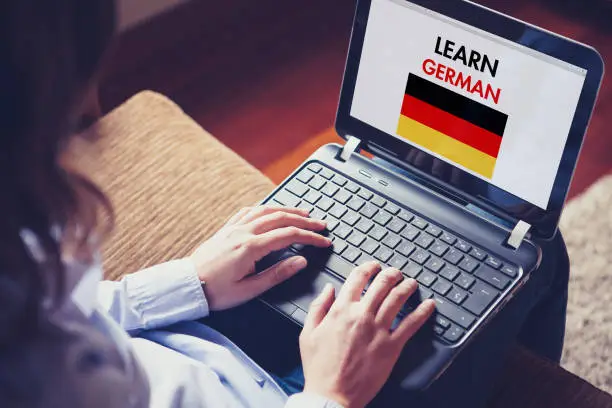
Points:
[[347, 346], [226, 262]]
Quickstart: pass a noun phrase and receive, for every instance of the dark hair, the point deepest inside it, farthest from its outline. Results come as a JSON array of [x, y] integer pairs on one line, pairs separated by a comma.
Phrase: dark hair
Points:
[[50, 53]]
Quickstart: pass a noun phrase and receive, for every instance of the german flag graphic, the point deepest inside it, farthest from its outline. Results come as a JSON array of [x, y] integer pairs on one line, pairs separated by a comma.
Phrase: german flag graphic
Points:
[[451, 125]]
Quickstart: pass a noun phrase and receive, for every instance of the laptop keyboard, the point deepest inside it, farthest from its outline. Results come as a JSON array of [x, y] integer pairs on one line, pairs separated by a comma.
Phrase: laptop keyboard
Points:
[[464, 280]]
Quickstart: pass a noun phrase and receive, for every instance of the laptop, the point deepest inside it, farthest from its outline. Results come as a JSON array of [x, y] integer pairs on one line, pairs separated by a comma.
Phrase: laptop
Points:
[[471, 123]]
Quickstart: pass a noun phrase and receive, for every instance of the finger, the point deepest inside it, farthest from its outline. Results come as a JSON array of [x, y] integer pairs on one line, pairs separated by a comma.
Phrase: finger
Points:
[[413, 322], [356, 282], [260, 211], [238, 216], [282, 219], [394, 302], [380, 288], [255, 285], [264, 244], [320, 307]]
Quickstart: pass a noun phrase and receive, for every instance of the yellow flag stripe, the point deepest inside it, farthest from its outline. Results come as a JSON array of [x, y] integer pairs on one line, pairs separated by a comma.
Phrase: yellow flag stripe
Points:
[[446, 146]]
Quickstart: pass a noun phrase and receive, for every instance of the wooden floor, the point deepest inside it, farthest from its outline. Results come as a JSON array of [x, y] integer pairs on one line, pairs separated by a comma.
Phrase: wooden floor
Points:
[[264, 76]]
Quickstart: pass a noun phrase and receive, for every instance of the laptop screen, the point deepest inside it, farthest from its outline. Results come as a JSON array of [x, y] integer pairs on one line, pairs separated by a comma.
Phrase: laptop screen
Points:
[[489, 106]]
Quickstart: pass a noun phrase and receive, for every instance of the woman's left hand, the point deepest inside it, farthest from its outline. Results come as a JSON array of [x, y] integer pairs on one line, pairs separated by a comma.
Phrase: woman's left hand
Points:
[[226, 262]]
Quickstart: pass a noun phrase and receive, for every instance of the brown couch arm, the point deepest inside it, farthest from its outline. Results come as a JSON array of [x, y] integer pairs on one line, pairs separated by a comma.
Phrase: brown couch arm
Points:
[[173, 185]]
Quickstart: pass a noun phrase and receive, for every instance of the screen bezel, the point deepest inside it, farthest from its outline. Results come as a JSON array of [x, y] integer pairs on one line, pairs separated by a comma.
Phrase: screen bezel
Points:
[[544, 222]]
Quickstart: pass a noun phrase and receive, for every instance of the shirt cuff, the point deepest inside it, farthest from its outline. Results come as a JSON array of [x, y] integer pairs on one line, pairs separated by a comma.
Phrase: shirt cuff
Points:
[[167, 293], [309, 400]]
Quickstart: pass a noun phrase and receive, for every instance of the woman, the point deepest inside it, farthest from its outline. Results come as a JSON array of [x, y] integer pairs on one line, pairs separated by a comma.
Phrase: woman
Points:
[[60, 347]]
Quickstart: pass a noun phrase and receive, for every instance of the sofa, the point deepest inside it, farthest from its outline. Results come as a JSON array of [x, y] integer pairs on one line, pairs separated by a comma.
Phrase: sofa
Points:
[[172, 185]]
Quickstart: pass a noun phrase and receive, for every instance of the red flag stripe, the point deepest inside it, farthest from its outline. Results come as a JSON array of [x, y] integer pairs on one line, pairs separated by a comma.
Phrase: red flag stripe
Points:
[[452, 126]]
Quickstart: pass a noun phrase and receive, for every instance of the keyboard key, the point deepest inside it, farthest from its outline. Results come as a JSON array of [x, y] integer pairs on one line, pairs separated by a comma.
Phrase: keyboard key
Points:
[[342, 231], [406, 215], [457, 295], [364, 225], [315, 167], [352, 187], [439, 330], [463, 246], [287, 199], [449, 272], [465, 281], [492, 277], [396, 225], [351, 254], [317, 214], [325, 203], [481, 298], [339, 246], [511, 271], [453, 256], [365, 194], [305, 206], [338, 211], [454, 334], [448, 238], [493, 262], [410, 233], [469, 264], [338, 265], [356, 238], [478, 254], [369, 210], [424, 241], [274, 204], [453, 313], [383, 254], [305, 176], [356, 203], [412, 270], [382, 218], [398, 261], [330, 189], [378, 201], [434, 264], [426, 278], [425, 293], [342, 196], [332, 223], [378, 232], [327, 173], [405, 248], [312, 197], [420, 223], [439, 248], [392, 208], [365, 258], [339, 180], [433, 230], [391, 240], [317, 183], [370, 246], [442, 321], [351, 218], [420, 256], [442, 287]]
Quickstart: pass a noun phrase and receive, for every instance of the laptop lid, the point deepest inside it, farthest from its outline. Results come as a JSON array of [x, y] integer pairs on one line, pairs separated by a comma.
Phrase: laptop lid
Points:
[[479, 105]]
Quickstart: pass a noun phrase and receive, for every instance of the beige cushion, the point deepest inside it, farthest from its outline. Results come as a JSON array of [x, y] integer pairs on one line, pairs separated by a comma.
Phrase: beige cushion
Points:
[[171, 183]]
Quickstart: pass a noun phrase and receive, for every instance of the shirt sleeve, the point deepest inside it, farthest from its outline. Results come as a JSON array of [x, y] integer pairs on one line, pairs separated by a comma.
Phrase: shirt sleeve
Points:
[[309, 400], [155, 297]]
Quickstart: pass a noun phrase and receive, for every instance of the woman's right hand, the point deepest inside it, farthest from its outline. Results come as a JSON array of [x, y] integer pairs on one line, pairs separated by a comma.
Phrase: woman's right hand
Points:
[[347, 346]]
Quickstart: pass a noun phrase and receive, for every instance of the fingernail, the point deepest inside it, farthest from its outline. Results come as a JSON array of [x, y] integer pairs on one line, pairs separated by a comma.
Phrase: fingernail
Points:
[[299, 263]]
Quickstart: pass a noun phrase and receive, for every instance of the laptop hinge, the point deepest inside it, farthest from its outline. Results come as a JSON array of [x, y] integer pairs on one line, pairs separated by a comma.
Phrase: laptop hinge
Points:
[[518, 234], [351, 146]]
